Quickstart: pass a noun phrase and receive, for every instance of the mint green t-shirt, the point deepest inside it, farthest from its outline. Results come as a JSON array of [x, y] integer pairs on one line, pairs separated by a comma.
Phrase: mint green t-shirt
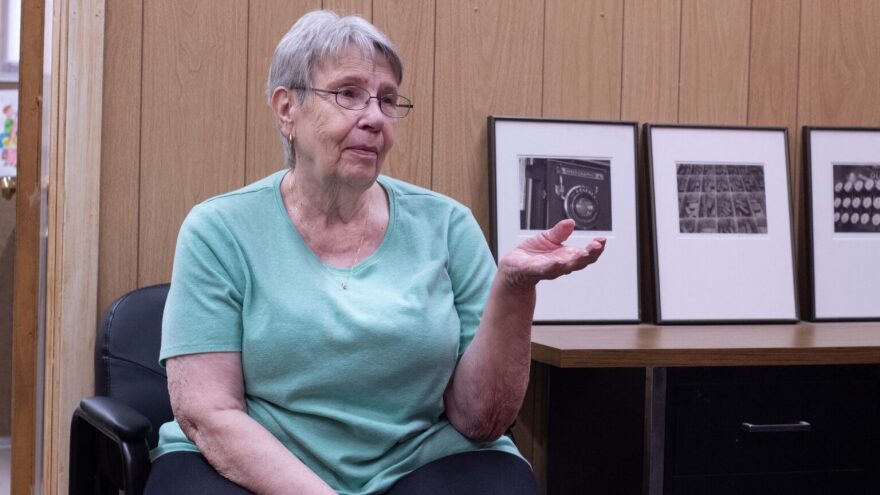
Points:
[[350, 380]]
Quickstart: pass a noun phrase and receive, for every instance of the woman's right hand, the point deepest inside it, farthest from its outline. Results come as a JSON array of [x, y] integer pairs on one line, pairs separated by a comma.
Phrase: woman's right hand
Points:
[[544, 257]]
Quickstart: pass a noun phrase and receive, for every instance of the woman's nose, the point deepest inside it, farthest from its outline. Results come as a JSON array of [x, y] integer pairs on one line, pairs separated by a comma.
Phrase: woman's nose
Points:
[[372, 116]]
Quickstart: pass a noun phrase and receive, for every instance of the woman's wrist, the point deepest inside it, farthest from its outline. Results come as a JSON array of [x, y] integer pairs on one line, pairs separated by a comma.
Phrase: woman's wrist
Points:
[[514, 279]]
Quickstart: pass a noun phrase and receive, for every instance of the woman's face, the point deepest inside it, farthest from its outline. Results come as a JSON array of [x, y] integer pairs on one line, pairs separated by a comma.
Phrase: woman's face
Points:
[[338, 144]]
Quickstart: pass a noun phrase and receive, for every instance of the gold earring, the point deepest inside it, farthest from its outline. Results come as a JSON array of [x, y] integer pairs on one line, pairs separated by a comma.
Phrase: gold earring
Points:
[[290, 138]]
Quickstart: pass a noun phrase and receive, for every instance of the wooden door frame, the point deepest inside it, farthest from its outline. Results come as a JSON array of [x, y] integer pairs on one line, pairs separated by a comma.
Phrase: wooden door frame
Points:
[[66, 115], [26, 300]]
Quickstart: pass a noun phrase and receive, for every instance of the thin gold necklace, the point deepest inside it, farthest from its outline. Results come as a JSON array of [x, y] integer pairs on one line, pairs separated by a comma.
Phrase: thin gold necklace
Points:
[[343, 284]]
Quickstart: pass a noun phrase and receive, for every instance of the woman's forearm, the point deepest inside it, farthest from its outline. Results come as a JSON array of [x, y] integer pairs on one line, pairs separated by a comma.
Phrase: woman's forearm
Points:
[[207, 397], [243, 451], [489, 383]]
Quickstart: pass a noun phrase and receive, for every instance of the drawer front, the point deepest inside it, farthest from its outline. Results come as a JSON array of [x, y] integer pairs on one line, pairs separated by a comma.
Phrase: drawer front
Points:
[[814, 483], [831, 416]]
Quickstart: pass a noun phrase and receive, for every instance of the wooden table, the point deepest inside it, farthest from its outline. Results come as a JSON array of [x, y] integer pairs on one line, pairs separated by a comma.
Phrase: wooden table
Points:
[[581, 346], [588, 380]]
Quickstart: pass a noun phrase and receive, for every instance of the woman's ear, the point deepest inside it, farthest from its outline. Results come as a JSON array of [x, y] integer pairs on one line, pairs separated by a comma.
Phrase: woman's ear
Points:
[[284, 108]]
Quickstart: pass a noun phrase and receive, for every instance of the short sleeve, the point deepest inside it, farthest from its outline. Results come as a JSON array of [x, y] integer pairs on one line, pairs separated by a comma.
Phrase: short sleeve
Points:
[[471, 270], [203, 312]]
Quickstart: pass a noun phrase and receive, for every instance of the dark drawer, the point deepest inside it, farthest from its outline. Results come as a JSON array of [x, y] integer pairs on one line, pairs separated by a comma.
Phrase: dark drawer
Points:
[[813, 483], [706, 410]]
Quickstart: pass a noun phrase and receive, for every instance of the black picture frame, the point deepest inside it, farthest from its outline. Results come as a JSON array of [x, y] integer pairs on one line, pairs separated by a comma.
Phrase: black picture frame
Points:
[[543, 170], [841, 171], [722, 227]]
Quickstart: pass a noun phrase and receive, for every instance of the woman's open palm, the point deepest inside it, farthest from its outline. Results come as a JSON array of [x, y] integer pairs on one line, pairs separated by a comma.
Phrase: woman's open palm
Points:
[[544, 257]]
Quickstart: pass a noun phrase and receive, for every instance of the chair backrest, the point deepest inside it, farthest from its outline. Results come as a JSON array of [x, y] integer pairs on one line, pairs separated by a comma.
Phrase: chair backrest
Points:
[[127, 355]]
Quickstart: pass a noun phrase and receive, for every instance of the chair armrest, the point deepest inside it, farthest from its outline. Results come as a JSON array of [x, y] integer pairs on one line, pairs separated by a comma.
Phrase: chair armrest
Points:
[[114, 419], [122, 425]]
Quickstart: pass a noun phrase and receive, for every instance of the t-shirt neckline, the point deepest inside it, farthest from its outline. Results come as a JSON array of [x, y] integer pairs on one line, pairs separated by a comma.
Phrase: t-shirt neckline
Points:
[[302, 245]]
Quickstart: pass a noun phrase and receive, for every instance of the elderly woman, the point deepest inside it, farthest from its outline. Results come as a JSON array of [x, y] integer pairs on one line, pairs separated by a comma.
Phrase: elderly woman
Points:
[[333, 330]]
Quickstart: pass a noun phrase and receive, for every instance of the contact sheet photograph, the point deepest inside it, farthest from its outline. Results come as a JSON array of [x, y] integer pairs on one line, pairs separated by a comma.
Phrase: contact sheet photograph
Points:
[[543, 171], [722, 228], [842, 171]]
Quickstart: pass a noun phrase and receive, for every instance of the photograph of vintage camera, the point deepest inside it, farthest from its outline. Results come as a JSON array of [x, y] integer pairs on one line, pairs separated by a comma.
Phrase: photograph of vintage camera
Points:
[[554, 189], [721, 199], [856, 198]]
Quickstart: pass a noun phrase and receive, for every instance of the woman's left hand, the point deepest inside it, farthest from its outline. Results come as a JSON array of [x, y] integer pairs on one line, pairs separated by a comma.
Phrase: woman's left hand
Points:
[[544, 257]]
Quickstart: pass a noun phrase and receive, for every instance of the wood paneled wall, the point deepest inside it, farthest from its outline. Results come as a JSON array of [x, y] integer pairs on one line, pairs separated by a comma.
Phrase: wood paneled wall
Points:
[[185, 114]]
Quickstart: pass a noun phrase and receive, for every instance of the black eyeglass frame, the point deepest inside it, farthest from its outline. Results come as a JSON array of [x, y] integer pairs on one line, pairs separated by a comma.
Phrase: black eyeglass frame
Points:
[[408, 105]]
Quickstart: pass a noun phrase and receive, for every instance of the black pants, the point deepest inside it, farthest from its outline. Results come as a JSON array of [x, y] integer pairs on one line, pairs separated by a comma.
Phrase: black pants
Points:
[[483, 472]]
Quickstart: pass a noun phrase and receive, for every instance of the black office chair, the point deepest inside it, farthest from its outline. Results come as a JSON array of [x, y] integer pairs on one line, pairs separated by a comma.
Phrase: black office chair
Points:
[[112, 433]]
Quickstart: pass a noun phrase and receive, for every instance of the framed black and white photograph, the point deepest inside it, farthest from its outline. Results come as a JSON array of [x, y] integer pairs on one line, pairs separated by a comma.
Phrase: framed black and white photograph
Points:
[[545, 170], [842, 170], [720, 199]]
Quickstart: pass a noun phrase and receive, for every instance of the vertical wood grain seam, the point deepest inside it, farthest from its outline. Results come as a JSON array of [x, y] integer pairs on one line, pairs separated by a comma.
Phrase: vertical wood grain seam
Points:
[[140, 153], [56, 194], [749, 64], [680, 44], [543, 57], [433, 92], [797, 89], [801, 238], [55, 269], [247, 90], [622, 57], [433, 101]]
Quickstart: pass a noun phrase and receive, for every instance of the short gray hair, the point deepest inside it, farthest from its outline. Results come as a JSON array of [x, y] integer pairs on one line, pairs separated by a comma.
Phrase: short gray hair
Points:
[[316, 37]]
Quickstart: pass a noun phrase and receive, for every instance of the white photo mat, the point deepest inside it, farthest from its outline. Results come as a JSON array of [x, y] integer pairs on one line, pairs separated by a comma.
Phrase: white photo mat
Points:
[[607, 291], [845, 255], [727, 275]]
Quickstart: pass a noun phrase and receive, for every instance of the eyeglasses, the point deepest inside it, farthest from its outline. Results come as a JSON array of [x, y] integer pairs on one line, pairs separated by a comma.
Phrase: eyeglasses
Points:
[[355, 98]]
